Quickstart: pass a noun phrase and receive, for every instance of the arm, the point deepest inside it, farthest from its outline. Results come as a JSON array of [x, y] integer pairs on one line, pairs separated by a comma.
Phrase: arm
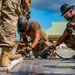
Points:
[[24, 38], [27, 6], [36, 38], [61, 39]]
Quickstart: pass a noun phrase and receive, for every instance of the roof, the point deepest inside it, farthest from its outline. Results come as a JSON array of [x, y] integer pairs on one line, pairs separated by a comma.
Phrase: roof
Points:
[[50, 66], [57, 28]]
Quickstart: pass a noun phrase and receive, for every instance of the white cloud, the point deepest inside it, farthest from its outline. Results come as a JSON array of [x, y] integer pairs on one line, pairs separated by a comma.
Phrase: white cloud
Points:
[[50, 5]]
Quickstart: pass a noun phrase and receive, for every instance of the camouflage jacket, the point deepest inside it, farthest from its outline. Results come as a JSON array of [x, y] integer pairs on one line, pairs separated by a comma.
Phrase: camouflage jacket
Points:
[[70, 40]]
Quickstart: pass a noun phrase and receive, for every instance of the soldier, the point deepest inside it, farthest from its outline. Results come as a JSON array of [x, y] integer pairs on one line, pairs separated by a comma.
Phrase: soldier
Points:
[[68, 36], [25, 12], [10, 11], [39, 39]]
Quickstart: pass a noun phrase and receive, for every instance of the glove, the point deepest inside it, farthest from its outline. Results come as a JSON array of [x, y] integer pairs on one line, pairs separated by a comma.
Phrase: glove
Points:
[[53, 54], [29, 48], [52, 47], [28, 15]]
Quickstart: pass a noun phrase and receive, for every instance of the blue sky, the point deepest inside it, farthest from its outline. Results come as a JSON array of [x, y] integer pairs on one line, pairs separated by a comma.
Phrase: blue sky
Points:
[[44, 18], [47, 11]]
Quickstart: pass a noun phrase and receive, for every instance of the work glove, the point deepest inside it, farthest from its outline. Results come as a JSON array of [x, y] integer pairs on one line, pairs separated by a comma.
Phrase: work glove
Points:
[[52, 47], [28, 15], [29, 48], [53, 54]]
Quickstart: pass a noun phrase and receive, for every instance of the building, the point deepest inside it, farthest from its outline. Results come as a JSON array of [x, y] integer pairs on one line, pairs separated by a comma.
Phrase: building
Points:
[[55, 31]]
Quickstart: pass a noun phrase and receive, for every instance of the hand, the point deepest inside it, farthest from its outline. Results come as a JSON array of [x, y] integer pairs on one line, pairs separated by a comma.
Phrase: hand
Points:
[[24, 49], [53, 54], [29, 48], [28, 15], [52, 47]]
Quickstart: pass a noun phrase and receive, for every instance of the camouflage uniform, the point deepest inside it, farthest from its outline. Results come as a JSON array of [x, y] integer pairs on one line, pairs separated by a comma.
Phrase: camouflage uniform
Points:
[[70, 40], [10, 10], [42, 43], [9, 21]]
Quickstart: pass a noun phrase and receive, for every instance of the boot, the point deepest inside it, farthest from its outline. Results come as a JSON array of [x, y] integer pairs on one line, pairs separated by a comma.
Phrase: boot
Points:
[[7, 56], [5, 61], [13, 56]]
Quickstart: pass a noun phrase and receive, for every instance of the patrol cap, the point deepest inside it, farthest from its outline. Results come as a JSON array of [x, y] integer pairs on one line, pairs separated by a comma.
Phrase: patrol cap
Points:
[[65, 7]]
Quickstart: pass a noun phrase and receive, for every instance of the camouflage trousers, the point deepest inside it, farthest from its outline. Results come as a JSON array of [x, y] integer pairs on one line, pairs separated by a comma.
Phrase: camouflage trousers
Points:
[[38, 50], [8, 34]]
